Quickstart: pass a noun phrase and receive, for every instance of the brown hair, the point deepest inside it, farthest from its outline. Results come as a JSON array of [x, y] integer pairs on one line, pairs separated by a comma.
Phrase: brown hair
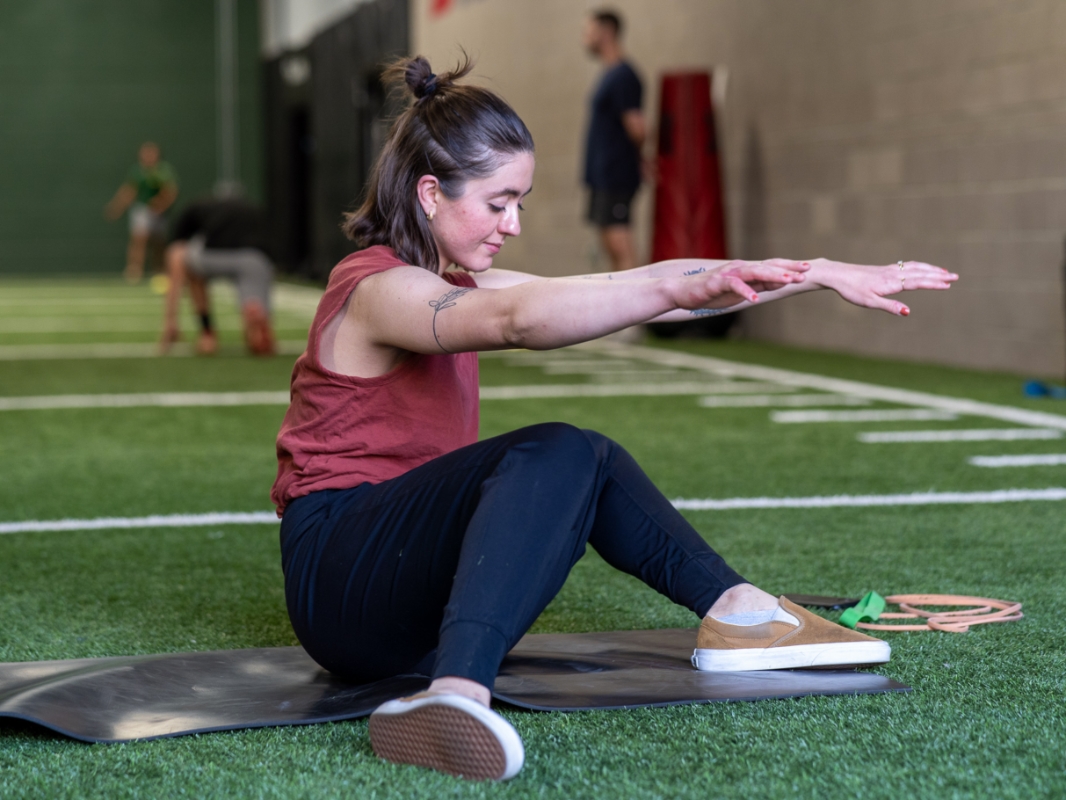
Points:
[[454, 132], [609, 19]]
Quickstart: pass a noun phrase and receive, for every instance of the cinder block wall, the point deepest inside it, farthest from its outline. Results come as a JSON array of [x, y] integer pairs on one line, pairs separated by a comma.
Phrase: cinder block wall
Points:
[[867, 131]]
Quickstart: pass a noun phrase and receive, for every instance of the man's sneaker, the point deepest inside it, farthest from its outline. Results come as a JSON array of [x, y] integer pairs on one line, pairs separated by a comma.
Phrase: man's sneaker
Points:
[[258, 334], [793, 638], [449, 733]]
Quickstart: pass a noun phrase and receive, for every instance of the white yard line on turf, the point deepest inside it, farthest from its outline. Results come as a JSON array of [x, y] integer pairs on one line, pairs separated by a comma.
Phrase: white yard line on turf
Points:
[[869, 415], [733, 369], [161, 399], [791, 400], [45, 352], [177, 399], [154, 521], [621, 390], [1036, 460], [972, 435], [727, 504], [862, 500]]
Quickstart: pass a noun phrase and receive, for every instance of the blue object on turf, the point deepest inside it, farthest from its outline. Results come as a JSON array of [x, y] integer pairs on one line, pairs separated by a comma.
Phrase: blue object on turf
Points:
[[1041, 389]]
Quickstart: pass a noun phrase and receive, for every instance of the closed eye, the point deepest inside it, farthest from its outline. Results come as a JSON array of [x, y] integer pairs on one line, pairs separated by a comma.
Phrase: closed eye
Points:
[[495, 209]]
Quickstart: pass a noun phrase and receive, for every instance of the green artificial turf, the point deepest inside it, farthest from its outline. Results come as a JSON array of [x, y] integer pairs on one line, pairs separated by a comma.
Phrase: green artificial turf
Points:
[[985, 719]]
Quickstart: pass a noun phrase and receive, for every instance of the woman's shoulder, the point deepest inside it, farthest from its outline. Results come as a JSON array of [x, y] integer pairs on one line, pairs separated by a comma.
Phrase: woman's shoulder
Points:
[[370, 258]]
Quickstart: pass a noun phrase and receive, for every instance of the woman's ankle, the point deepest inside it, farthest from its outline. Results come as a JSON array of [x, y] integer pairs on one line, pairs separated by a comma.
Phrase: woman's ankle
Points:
[[462, 686], [740, 599]]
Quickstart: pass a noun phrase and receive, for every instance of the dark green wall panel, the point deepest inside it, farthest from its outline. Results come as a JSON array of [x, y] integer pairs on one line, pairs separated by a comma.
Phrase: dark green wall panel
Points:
[[82, 83]]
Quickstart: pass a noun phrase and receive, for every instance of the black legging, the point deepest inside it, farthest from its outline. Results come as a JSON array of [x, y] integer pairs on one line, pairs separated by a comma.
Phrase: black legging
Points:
[[444, 568]]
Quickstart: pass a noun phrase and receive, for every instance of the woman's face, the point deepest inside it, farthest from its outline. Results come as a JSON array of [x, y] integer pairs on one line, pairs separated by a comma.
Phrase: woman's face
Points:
[[471, 229]]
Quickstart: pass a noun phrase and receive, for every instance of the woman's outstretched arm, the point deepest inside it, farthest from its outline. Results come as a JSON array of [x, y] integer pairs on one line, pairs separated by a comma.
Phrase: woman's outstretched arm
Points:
[[408, 309], [861, 284]]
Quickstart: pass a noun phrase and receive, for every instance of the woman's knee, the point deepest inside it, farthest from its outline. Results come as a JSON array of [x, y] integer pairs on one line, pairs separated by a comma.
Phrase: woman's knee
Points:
[[564, 447], [558, 441]]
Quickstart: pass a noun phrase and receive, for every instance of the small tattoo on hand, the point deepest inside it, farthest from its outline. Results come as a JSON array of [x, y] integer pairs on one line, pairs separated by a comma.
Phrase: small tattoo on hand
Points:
[[696, 271]]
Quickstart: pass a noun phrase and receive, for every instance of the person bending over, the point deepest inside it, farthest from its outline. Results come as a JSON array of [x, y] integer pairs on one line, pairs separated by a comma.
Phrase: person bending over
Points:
[[149, 190], [408, 546], [220, 238]]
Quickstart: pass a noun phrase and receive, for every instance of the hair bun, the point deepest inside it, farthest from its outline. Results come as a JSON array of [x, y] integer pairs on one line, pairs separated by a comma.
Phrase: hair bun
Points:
[[420, 78]]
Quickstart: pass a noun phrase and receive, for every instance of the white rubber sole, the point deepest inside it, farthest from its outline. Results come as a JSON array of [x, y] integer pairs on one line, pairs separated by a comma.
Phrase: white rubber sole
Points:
[[449, 733], [839, 654]]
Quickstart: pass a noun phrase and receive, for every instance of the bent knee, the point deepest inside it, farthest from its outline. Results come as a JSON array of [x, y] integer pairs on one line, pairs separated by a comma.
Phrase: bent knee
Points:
[[569, 444]]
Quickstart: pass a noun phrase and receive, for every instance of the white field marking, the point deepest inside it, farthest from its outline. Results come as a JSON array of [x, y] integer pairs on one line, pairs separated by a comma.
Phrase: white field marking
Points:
[[618, 390], [727, 504], [98, 324], [764, 400], [185, 399], [575, 367], [160, 399], [971, 435], [154, 521], [860, 500], [1037, 460], [41, 352], [72, 304], [869, 415], [645, 376], [733, 369]]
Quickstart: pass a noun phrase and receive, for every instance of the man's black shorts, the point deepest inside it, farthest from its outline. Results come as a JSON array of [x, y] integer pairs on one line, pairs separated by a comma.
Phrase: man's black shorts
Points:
[[608, 208]]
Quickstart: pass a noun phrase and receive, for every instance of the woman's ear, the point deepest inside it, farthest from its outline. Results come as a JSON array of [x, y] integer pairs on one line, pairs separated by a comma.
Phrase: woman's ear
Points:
[[428, 190]]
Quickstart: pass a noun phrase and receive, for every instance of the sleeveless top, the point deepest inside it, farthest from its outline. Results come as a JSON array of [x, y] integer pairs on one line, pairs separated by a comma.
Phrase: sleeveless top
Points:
[[341, 431]]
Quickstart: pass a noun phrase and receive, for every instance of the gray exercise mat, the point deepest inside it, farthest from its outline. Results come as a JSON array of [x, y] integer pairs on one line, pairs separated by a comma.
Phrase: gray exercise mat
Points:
[[147, 697]]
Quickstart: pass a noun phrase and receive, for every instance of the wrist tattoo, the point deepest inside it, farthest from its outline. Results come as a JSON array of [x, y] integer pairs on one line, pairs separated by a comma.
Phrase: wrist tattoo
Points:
[[696, 271], [708, 312], [446, 300]]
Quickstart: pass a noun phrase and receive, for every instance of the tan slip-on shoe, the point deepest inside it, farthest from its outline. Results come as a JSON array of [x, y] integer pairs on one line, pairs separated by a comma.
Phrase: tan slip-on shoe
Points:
[[793, 638], [449, 733]]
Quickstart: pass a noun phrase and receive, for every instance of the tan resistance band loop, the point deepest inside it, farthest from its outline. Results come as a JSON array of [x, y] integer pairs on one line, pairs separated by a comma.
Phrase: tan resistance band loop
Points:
[[947, 621]]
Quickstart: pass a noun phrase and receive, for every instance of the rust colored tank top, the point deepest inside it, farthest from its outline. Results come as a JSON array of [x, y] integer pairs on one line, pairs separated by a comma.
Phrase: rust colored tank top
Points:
[[341, 431]]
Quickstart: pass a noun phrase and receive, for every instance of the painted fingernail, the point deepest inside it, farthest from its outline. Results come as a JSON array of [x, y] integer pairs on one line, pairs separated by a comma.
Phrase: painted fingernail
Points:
[[906, 312]]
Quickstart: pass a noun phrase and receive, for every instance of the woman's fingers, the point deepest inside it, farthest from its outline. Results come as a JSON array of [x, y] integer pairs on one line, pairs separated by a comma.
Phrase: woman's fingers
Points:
[[767, 273], [885, 304], [796, 266], [736, 285]]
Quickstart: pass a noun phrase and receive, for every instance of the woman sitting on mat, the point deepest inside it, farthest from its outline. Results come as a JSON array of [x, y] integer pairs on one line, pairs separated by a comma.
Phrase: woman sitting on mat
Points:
[[408, 546]]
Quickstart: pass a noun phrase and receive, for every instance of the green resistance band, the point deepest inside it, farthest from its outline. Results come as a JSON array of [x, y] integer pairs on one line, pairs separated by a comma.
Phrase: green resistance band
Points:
[[866, 610]]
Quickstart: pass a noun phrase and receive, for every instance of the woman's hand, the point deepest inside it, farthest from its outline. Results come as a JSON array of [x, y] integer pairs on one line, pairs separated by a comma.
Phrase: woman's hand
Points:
[[735, 282], [869, 286]]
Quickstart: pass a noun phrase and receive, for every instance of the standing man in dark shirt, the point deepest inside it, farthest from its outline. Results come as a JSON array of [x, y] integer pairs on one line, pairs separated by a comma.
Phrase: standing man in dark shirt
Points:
[[221, 238], [616, 134]]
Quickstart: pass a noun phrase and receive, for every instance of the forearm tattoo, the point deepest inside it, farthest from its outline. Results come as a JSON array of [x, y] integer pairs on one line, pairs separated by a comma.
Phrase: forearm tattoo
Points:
[[446, 300]]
